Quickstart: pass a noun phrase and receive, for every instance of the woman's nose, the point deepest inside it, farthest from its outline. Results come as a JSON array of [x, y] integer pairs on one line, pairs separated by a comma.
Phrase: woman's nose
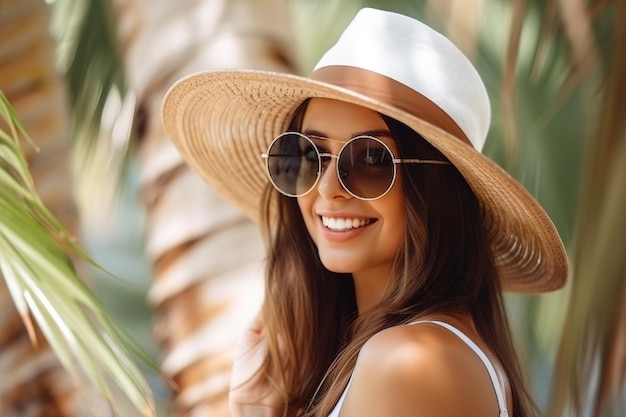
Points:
[[329, 185]]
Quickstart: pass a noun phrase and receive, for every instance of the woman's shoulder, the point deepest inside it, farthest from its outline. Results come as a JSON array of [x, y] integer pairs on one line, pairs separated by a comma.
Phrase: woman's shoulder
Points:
[[415, 350], [416, 338], [420, 369]]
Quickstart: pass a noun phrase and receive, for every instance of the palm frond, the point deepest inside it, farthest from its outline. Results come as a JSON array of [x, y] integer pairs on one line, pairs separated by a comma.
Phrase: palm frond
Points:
[[590, 369], [91, 61], [508, 88], [35, 260], [90, 58]]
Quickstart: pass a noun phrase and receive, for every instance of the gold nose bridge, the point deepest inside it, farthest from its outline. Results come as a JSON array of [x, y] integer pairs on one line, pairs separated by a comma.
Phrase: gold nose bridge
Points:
[[324, 156]]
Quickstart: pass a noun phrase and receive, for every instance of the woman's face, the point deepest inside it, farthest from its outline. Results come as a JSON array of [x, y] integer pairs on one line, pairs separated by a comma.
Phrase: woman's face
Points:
[[368, 245]]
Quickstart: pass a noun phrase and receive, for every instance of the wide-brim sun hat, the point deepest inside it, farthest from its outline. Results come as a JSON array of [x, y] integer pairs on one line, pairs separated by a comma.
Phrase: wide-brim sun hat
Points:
[[221, 121]]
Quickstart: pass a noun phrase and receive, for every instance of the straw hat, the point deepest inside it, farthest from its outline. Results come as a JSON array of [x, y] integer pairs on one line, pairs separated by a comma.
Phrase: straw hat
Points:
[[221, 121]]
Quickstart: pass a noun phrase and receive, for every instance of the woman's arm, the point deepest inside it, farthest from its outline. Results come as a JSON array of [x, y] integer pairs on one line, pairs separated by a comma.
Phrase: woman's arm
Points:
[[252, 393]]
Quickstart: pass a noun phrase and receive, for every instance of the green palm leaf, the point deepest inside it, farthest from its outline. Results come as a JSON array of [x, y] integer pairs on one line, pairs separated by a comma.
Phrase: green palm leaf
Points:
[[35, 252], [102, 108]]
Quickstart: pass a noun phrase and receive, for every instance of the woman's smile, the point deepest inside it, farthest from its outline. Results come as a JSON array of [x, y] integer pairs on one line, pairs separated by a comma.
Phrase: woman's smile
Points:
[[341, 224], [341, 228]]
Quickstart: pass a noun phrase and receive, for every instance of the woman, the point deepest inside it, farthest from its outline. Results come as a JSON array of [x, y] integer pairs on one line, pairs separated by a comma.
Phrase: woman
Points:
[[390, 237]]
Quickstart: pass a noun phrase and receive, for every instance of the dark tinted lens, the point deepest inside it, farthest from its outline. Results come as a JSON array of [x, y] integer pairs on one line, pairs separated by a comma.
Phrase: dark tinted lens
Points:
[[366, 167], [293, 164]]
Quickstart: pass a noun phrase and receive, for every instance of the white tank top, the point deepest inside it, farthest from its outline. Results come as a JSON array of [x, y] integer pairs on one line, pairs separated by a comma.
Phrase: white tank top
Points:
[[497, 386]]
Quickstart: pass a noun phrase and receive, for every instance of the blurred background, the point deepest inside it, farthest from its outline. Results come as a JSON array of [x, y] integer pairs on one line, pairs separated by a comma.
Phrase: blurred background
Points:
[[88, 77]]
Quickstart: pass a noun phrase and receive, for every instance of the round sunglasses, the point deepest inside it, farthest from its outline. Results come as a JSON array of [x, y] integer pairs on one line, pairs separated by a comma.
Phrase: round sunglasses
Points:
[[366, 167]]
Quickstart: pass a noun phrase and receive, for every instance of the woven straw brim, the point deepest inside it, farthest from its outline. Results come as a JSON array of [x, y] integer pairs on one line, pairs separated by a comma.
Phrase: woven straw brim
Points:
[[222, 121]]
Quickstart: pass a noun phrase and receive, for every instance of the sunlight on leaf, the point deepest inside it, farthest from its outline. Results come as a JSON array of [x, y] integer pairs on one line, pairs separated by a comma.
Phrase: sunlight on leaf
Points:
[[35, 262]]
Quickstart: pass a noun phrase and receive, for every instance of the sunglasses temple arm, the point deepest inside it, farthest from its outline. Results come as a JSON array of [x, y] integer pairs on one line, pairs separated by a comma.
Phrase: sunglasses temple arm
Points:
[[420, 161]]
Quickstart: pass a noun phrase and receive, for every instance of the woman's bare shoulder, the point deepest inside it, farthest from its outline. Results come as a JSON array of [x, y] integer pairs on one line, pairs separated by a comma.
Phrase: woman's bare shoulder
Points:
[[419, 370]]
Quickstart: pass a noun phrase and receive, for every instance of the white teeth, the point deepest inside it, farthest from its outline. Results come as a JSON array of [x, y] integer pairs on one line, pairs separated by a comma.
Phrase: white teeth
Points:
[[341, 224]]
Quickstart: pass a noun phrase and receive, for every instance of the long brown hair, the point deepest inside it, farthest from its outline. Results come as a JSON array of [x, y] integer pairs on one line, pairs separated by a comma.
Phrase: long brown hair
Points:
[[446, 265]]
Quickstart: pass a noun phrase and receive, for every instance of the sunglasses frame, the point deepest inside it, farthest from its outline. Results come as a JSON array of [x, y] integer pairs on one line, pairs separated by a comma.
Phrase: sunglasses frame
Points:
[[322, 155]]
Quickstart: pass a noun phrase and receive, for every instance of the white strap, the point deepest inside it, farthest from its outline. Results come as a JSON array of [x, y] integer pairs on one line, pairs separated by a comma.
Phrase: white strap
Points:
[[339, 405], [490, 369]]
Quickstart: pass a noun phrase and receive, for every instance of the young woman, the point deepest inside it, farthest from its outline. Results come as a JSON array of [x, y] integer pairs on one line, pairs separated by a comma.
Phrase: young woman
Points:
[[390, 237]]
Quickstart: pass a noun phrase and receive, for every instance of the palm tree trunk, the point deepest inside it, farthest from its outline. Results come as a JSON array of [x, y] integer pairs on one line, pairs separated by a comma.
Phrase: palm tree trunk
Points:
[[206, 255], [33, 383]]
